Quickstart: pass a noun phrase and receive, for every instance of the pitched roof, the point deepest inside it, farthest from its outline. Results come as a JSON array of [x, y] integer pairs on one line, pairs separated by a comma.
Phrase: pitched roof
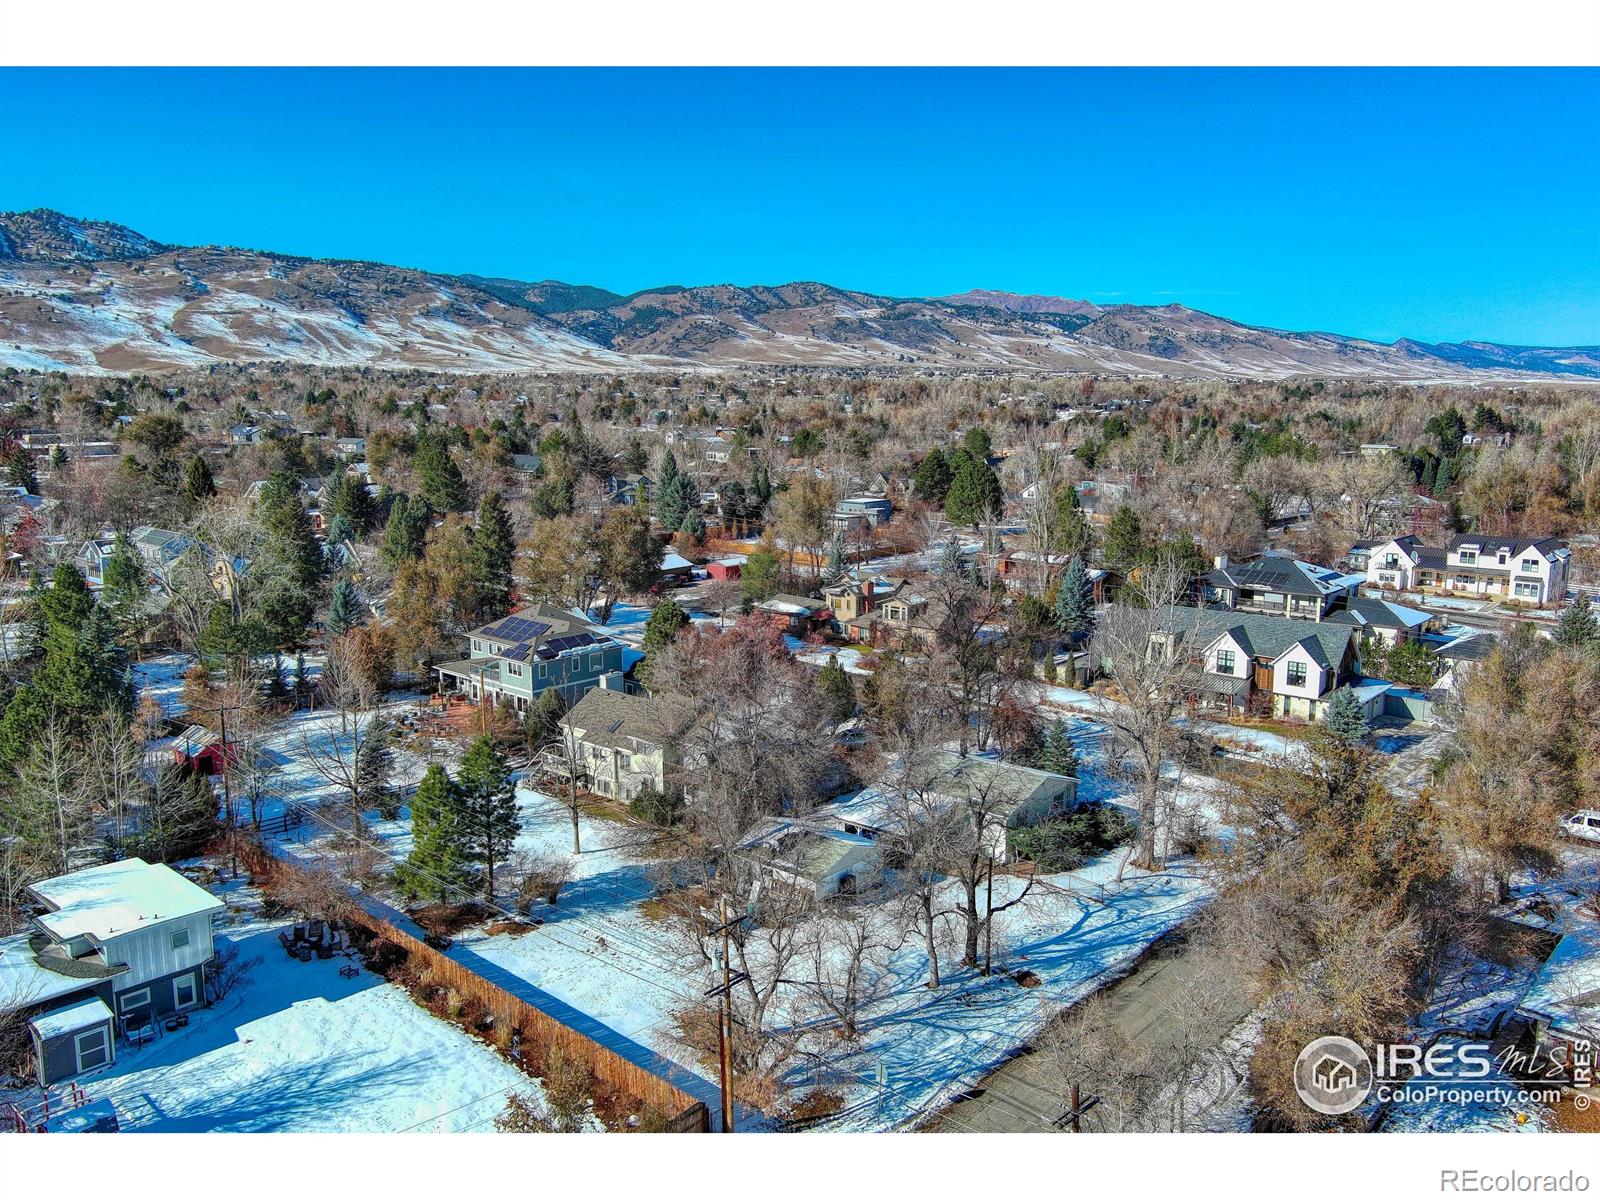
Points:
[[1279, 574], [610, 718], [1263, 636], [540, 630], [1364, 610]]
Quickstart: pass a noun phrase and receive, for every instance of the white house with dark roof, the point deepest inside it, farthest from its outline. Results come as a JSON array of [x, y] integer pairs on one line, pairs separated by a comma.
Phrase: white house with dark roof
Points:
[[1530, 571], [120, 945]]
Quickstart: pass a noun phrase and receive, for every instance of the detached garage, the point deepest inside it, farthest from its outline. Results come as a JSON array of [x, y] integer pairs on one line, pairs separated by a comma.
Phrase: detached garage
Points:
[[70, 1041]]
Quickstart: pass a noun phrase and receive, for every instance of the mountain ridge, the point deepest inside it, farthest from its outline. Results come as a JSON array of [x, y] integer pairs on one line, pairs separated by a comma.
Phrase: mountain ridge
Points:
[[95, 296]]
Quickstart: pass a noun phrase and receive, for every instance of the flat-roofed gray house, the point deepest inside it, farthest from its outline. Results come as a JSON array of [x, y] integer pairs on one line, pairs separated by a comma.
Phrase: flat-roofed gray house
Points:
[[122, 945], [516, 659]]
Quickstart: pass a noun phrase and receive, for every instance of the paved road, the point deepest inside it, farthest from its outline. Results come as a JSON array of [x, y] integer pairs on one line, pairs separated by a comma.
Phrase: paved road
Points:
[[1028, 1092]]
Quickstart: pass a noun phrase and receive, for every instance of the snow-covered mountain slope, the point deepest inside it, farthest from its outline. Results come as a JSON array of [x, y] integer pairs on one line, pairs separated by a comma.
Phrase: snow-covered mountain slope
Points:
[[91, 296]]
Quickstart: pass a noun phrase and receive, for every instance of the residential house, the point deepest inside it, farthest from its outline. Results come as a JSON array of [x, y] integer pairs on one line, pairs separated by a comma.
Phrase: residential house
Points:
[[1100, 500], [1563, 1001], [350, 447], [824, 862], [1384, 621], [1010, 796], [245, 435], [795, 615], [1530, 571], [516, 659], [731, 567], [159, 548], [675, 568], [1282, 666], [1278, 586], [201, 749], [121, 945], [1020, 569], [622, 743], [877, 509], [877, 610]]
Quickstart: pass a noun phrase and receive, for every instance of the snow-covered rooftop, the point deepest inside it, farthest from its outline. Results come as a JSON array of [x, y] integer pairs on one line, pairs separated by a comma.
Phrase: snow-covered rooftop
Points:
[[1566, 991], [81, 1015], [107, 901]]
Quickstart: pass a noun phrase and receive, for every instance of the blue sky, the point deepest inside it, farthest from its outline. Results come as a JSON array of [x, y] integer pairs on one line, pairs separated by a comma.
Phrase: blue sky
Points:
[[1437, 204]]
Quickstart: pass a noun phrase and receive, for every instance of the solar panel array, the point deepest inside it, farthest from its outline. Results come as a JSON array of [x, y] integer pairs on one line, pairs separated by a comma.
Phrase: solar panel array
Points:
[[517, 629]]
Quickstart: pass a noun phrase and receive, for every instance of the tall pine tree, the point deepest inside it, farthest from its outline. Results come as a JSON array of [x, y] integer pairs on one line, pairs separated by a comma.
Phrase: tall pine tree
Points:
[[1074, 610], [437, 868], [494, 548], [488, 808]]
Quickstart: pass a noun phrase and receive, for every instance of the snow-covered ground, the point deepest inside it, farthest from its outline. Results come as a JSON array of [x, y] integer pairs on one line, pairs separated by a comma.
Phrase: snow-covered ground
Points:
[[296, 1048]]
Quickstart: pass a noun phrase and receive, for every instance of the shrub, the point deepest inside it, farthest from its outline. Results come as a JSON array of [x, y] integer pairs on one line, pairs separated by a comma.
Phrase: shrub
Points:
[[657, 808], [1068, 842]]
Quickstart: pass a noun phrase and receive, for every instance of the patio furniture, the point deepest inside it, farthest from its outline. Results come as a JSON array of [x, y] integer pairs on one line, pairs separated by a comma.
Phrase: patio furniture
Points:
[[317, 931], [349, 971], [303, 952], [287, 942], [177, 1021], [324, 950]]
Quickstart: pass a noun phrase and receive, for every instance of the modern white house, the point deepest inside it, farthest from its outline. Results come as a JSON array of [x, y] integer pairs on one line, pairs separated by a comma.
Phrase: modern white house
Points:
[[1530, 571], [121, 945]]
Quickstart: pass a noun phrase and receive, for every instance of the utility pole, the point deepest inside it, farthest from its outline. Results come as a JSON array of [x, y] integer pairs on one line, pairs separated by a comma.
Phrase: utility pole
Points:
[[1073, 1118], [227, 795], [988, 917], [724, 991]]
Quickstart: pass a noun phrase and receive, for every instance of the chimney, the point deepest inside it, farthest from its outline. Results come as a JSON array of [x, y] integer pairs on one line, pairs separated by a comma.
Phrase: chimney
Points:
[[1220, 562], [866, 595], [612, 681]]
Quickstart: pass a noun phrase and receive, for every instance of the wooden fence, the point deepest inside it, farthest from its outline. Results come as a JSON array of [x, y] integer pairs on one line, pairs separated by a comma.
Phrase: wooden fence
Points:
[[689, 1115]]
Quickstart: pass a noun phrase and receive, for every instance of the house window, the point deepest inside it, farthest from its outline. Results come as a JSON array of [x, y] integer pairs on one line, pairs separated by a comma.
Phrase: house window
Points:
[[597, 660], [541, 671], [514, 668], [93, 1049], [1225, 662], [1468, 557], [1392, 562], [1297, 674], [477, 646], [1527, 591], [184, 992], [179, 938], [1530, 566], [129, 1001], [624, 760]]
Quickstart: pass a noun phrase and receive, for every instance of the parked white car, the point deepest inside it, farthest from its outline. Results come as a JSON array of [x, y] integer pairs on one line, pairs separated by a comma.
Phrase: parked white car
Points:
[[1583, 824]]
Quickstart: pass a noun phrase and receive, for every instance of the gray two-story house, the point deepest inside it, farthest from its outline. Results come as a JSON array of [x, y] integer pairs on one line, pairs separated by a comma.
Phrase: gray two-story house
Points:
[[516, 659], [121, 945]]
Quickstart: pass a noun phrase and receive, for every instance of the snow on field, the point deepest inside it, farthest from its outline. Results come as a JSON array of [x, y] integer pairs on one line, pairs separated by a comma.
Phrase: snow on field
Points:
[[161, 678], [296, 1048], [849, 658]]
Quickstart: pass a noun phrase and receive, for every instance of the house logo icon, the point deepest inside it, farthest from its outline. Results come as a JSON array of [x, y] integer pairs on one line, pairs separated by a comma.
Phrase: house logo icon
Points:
[[1333, 1076]]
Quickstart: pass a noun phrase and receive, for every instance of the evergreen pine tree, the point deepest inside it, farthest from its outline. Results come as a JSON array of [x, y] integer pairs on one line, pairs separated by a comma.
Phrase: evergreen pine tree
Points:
[[666, 619], [838, 691], [1125, 547], [406, 534], [293, 563], [693, 525], [488, 808], [494, 548], [439, 480], [932, 477], [437, 863], [1345, 719], [198, 484], [1073, 611], [1056, 751], [634, 458], [836, 567], [974, 493], [374, 769], [1578, 627], [20, 472], [122, 582], [344, 610]]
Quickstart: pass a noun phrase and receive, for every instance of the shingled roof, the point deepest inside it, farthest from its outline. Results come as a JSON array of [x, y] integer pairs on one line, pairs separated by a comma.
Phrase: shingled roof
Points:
[[1263, 636]]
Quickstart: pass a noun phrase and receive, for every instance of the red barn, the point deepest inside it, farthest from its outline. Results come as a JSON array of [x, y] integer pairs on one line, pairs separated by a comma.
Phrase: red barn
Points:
[[726, 568], [203, 750]]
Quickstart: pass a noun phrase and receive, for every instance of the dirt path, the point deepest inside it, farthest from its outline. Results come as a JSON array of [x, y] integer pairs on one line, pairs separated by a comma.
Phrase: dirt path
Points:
[[1028, 1093]]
